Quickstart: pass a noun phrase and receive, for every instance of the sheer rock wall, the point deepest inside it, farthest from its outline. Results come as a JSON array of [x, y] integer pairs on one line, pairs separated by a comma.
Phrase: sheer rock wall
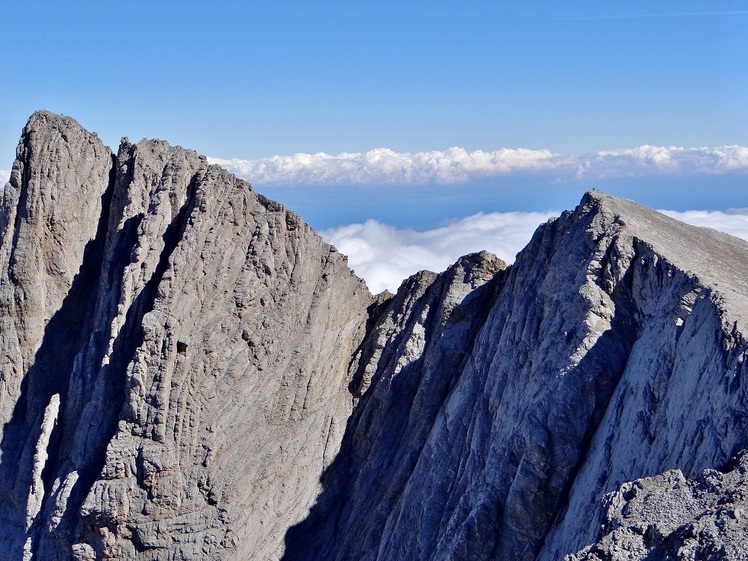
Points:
[[175, 379], [189, 372], [611, 350]]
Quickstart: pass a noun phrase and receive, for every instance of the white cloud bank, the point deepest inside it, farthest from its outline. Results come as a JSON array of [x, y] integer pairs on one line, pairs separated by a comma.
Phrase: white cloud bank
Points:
[[733, 221], [384, 255], [660, 160], [383, 166]]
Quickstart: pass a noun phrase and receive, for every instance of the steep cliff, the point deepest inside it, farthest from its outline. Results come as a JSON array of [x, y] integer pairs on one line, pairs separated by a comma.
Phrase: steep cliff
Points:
[[611, 350], [189, 372], [175, 355]]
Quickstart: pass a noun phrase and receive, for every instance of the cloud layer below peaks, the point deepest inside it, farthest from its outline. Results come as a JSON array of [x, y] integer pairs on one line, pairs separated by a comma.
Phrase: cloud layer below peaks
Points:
[[382, 166], [384, 255]]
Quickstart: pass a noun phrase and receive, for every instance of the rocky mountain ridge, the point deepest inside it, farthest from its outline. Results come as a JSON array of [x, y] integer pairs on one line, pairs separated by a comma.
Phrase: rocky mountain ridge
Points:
[[189, 372]]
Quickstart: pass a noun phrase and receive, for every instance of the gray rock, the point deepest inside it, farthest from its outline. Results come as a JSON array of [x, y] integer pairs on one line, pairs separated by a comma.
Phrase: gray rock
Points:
[[189, 372], [587, 366], [668, 517], [49, 220], [410, 360], [191, 383]]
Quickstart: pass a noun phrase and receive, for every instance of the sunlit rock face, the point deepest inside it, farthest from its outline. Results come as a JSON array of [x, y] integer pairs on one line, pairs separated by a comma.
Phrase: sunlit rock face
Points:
[[189, 372], [176, 349]]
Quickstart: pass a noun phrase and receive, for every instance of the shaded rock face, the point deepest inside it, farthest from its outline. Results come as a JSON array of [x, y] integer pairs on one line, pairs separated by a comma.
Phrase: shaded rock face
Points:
[[611, 350], [189, 372]]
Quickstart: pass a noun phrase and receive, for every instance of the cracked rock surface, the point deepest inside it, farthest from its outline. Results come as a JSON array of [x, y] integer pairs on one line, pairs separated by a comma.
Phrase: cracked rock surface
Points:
[[175, 355], [667, 517], [188, 371], [611, 350]]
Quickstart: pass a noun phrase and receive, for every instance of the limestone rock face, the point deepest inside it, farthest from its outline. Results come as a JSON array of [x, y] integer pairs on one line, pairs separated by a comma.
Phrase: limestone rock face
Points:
[[611, 350], [411, 359], [191, 383], [189, 372], [50, 219]]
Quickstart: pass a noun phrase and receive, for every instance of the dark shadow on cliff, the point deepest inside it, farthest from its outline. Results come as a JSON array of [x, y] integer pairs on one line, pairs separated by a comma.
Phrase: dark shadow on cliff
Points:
[[49, 374], [326, 532], [407, 409], [71, 352], [113, 376]]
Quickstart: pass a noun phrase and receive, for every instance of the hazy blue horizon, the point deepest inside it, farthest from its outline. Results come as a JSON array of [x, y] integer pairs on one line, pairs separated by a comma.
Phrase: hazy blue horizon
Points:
[[428, 206]]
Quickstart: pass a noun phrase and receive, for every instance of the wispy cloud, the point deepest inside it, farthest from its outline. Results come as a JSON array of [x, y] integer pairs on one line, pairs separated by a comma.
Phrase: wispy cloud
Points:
[[4, 176], [384, 255], [455, 165]]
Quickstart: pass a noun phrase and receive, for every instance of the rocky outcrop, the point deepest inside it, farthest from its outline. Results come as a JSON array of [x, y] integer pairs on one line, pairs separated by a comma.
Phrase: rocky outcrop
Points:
[[189, 372], [667, 517], [173, 343], [586, 365]]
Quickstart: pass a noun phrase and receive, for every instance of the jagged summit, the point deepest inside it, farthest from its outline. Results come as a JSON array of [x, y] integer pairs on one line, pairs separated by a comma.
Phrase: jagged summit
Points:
[[187, 371], [162, 324], [718, 259]]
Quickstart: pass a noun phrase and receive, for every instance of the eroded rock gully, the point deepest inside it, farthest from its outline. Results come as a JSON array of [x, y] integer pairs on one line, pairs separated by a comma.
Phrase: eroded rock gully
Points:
[[189, 372]]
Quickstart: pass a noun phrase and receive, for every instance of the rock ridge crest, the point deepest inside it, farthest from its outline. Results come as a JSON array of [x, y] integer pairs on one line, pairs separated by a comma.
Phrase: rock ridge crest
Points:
[[188, 371]]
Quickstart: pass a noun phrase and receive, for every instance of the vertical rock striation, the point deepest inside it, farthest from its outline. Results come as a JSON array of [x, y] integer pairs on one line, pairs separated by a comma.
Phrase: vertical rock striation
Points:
[[50, 221], [611, 350], [176, 349], [411, 359], [189, 372]]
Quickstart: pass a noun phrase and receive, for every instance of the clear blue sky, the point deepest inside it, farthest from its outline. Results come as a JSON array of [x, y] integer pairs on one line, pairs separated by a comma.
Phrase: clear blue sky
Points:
[[256, 79]]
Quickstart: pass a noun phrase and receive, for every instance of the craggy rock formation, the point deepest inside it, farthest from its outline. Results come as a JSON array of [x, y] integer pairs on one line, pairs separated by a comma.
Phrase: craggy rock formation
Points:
[[667, 517], [189, 372], [175, 350], [611, 350]]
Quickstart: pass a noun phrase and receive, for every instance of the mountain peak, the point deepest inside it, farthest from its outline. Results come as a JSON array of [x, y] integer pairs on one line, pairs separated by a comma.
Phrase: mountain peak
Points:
[[189, 371]]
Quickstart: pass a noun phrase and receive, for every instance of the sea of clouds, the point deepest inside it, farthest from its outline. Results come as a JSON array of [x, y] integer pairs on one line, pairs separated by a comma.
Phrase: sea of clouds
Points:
[[383, 166], [384, 255]]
